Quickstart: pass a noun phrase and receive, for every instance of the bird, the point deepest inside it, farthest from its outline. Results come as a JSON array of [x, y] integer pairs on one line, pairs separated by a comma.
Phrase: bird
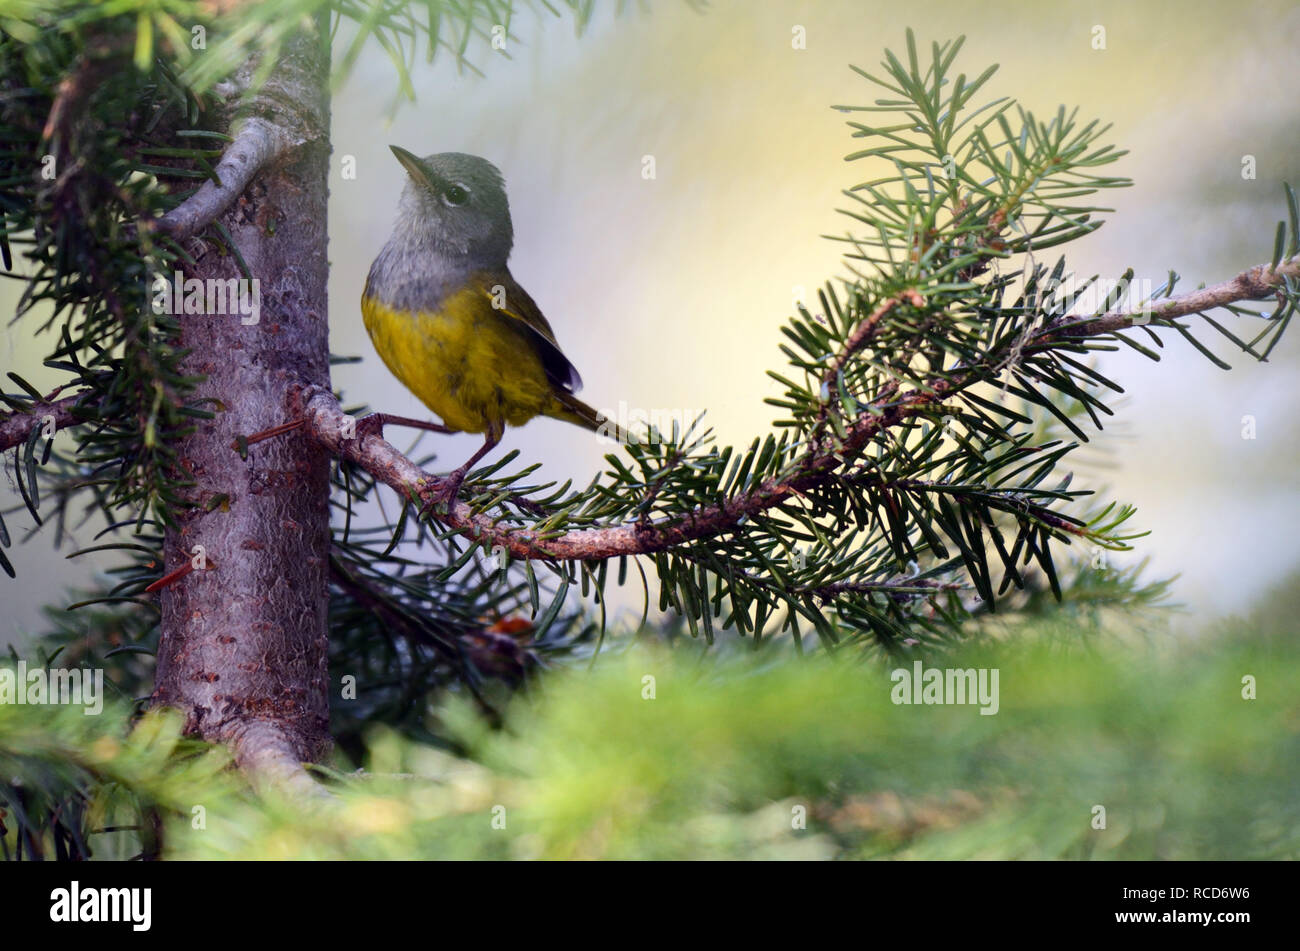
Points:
[[453, 325]]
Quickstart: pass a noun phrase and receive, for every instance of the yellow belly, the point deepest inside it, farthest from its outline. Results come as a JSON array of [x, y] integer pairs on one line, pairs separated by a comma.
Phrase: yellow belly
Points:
[[466, 362]]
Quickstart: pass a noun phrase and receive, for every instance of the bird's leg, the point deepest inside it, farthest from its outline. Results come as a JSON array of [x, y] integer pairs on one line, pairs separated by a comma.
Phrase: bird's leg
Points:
[[373, 425], [449, 485], [366, 426]]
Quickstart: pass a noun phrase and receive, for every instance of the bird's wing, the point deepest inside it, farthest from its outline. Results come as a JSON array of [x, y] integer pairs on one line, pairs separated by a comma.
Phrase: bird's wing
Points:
[[511, 300]]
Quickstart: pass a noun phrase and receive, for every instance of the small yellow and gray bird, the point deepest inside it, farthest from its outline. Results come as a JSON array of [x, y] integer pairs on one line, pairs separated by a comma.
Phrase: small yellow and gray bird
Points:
[[451, 322]]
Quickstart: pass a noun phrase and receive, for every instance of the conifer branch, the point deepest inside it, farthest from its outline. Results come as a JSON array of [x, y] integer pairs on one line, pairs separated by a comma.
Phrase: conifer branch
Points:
[[1257, 283], [818, 466], [16, 428], [257, 144], [861, 337], [280, 118]]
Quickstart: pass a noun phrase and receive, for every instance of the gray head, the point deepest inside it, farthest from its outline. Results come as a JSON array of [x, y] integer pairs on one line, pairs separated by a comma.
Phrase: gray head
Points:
[[454, 205]]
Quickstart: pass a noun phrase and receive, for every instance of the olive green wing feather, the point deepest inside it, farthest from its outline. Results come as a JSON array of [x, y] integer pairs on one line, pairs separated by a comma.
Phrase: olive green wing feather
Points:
[[511, 300]]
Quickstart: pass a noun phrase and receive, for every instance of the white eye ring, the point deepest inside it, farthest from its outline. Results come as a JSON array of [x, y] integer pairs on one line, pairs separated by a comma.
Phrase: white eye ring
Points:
[[456, 194]]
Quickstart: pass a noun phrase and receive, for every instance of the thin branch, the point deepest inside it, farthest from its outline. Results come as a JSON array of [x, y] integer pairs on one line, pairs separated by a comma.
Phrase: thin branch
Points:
[[866, 330], [896, 589], [257, 144], [16, 428], [1257, 283], [278, 118], [861, 337], [326, 422]]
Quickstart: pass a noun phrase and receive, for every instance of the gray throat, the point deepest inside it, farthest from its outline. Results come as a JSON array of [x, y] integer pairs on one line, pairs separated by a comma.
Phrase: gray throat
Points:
[[415, 275]]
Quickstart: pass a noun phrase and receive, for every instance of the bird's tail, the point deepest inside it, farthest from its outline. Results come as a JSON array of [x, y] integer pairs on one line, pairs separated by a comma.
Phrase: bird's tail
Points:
[[573, 410]]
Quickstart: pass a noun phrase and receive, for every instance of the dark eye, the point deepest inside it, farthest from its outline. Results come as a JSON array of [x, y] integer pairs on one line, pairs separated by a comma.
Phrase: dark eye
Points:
[[456, 195]]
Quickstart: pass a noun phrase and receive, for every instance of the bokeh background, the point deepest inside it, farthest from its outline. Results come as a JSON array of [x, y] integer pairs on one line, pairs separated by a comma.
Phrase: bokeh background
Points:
[[669, 292]]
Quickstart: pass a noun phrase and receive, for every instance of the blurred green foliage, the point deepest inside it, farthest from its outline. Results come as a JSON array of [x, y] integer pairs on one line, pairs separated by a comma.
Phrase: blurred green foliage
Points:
[[74, 786], [734, 747]]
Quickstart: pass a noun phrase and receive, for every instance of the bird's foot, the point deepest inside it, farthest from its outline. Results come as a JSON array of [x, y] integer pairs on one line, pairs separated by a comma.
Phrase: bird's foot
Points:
[[370, 425], [443, 495]]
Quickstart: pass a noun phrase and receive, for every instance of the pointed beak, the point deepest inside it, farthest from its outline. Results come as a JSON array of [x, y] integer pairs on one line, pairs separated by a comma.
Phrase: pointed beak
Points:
[[414, 167]]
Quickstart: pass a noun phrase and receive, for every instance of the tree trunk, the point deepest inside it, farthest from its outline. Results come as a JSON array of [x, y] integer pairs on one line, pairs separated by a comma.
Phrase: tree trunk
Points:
[[243, 648]]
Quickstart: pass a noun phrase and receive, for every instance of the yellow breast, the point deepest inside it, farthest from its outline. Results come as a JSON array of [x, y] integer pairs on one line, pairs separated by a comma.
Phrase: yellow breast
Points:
[[466, 362]]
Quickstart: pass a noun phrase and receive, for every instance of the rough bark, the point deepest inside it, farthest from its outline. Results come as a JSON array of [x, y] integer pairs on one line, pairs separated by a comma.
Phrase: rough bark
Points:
[[243, 649]]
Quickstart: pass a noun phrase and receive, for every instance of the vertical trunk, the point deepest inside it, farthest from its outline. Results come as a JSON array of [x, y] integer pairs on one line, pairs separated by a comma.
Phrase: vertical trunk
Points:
[[243, 646]]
